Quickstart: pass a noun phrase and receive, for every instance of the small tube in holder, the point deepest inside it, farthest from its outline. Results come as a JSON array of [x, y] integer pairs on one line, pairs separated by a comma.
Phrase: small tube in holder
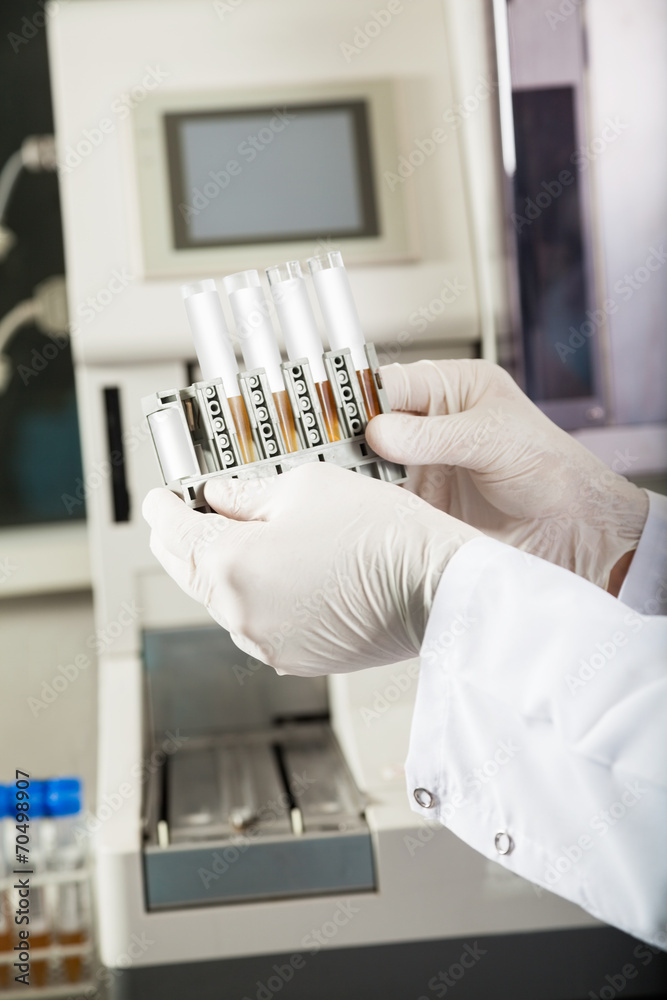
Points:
[[215, 353], [302, 339], [341, 319], [258, 343], [173, 444]]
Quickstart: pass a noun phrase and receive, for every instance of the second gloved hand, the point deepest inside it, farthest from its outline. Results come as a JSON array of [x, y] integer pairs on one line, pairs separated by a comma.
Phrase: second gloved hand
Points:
[[318, 570], [478, 448]]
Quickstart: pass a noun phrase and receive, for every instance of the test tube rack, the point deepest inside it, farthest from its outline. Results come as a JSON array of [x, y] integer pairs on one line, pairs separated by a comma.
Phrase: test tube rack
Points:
[[55, 956], [204, 421]]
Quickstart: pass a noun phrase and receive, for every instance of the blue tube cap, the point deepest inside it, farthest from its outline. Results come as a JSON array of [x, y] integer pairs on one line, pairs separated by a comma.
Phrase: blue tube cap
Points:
[[35, 799], [63, 796]]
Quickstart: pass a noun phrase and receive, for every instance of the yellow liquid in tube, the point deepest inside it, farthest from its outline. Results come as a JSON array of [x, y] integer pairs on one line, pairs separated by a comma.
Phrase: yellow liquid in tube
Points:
[[73, 963], [325, 394], [240, 415], [6, 941], [39, 972], [286, 419], [369, 392]]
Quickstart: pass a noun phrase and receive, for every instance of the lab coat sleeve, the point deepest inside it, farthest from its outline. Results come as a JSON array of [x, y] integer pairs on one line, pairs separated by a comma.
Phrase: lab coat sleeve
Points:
[[539, 735]]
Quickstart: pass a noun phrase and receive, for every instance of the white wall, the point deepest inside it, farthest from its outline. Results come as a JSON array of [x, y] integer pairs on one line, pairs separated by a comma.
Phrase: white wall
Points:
[[38, 636]]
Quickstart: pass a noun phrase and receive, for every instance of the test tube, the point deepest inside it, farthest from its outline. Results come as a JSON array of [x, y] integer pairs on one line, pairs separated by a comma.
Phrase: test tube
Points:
[[258, 342], [173, 444], [341, 319], [66, 854], [32, 810], [215, 353], [297, 321], [6, 940]]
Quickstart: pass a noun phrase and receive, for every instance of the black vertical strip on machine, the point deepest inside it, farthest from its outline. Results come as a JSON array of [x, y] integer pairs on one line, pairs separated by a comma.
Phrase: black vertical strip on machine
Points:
[[119, 492], [551, 243], [282, 768]]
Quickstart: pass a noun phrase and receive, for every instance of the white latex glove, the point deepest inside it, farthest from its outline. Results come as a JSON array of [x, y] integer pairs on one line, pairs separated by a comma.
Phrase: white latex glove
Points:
[[478, 448], [318, 570]]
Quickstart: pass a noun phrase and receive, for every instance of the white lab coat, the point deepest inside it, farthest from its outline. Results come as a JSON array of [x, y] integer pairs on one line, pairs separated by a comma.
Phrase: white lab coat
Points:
[[540, 728]]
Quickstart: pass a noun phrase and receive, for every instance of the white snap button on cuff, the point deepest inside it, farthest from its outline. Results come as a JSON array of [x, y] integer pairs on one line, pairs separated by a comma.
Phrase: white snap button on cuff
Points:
[[503, 841], [424, 798]]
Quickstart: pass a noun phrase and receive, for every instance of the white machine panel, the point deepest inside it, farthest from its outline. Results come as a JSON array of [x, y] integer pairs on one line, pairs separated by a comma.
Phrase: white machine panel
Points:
[[186, 49]]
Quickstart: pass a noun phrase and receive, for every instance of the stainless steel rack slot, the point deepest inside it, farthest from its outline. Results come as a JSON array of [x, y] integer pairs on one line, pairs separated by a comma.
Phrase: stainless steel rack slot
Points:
[[257, 815]]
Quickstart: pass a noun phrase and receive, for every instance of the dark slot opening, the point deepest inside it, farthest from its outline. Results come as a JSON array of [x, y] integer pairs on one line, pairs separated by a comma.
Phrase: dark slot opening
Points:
[[164, 791], [363, 449], [119, 493], [280, 761], [297, 717]]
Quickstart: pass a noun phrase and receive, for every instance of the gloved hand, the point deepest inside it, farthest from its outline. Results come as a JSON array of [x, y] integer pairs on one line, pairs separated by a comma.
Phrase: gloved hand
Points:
[[478, 448], [318, 570]]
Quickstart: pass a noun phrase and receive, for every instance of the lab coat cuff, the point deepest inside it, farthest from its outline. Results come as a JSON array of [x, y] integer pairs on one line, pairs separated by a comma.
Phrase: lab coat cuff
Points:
[[451, 605], [645, 586], [537, 717]]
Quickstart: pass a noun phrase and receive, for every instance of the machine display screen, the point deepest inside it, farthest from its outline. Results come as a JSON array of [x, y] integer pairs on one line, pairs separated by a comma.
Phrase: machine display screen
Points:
[[271, 175]]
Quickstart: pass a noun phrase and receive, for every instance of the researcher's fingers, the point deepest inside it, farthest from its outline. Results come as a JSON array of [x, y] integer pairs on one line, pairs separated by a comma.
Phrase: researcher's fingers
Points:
[[243, 499], [253, 649], [176, 524], [427, 387], [180, 570], [446, 440], [181, 529]]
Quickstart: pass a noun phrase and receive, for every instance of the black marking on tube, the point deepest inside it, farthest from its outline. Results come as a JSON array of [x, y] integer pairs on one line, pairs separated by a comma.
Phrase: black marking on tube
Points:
[[119, 493]]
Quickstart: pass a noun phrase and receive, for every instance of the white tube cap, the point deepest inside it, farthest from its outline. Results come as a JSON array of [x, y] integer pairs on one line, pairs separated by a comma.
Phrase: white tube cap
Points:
[[210, 334]]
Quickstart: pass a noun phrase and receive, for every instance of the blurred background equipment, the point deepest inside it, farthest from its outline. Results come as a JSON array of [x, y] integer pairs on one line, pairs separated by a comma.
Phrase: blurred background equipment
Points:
[[494, 175], [49, 954], [39, 448], [196, 155]]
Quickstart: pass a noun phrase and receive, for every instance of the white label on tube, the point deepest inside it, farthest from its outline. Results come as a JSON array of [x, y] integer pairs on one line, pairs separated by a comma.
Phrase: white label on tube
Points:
[[340, 313], [173, 444], [256, 335], [213, 344], [298, 325]]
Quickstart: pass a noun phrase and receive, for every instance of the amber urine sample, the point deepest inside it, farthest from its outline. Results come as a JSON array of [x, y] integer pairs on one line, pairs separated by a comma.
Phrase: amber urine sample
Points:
[[286, 419], [369, 392], [240, 415], [73, 964], [6, 942], [302, 338], [329, 412], [39, 971]]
